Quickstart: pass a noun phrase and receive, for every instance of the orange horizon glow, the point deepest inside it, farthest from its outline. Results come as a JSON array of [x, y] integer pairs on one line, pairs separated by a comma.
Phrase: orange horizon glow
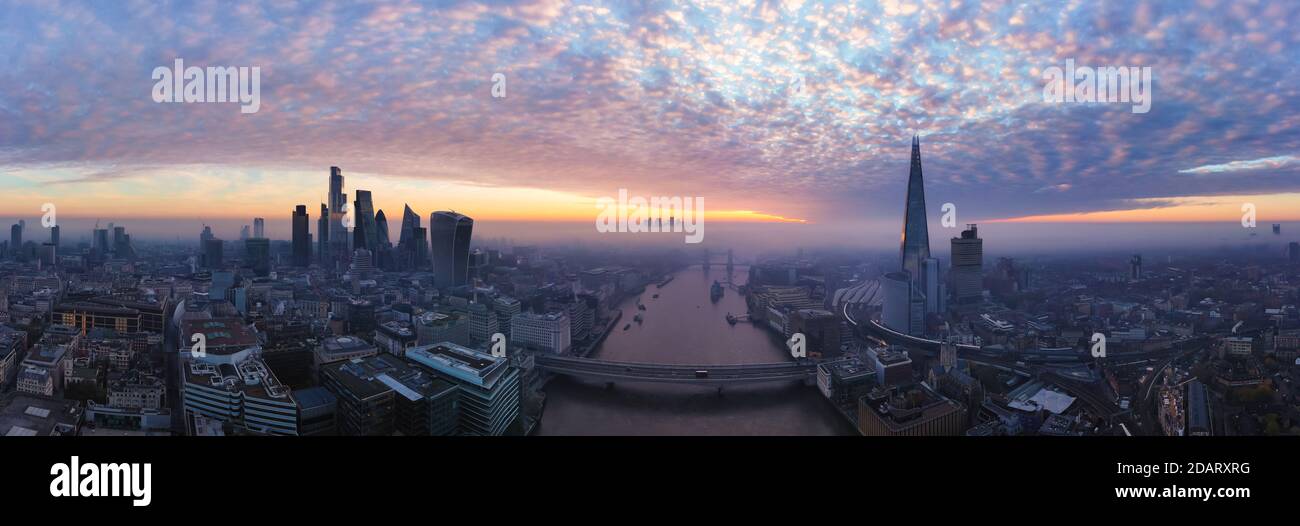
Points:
[[1190, 209], [196, 193]]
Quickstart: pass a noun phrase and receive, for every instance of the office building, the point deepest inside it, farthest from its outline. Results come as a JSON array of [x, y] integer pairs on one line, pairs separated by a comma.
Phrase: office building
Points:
[[383, 395], [549, 332], [212, 253], [821, 330], [237, 388], [412, 243], [317, 411], [915, 245], [365, 232], [323, 235], [1237, 346], [903, 306], [922, 292], [488, 386], [259, 255], [506, 309], [433, 327], [340, 349], [395, 337], [381, 230], [893, 366], [137, 390], [100, 248], [16, 240], [26, 415], [967, 267], [338, 234], [915, 410], [449, 236], [86, 315], [301, 237]]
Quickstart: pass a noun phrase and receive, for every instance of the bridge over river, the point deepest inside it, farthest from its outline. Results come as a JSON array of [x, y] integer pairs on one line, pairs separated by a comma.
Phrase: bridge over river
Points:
[[677, 373]]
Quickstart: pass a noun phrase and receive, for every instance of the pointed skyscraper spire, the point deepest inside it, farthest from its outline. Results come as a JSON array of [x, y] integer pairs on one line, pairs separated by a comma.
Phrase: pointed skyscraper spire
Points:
[[915, 245]]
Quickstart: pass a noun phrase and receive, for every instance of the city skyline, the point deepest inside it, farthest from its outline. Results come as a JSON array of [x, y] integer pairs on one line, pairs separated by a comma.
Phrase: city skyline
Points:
[[774, 112], [638, 224]]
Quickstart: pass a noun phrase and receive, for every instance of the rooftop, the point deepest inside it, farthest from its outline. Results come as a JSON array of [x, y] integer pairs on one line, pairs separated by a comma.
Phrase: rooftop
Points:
[[27, 415], [245, 373], [370, 377], [224, 335], [476, 367]]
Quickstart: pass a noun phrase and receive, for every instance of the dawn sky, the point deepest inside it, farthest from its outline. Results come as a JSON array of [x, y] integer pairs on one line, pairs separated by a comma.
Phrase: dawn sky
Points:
[[771, 111]]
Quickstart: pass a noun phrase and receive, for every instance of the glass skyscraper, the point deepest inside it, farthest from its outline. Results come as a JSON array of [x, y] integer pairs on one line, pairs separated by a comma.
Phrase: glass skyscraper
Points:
[[449, 234], [301, 237], [915, 246]]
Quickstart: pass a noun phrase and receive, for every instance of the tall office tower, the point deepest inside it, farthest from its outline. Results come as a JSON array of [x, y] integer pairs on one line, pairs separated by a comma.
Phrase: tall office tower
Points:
[[259, 227], [366, 232], [54, 235], [1135, 267], [301, 237], [244, 233], [203, 237], [914, 249], [449, 234], [122, 244], [1277, 229], [1293, 252], [259, 255], [381, 229], [323, 234], [915, 245], [410, 244], [420, 255], [338, 202], [383, 247], [99, 244], [48, 254], [968, 267], [16, 239], [212, 253]]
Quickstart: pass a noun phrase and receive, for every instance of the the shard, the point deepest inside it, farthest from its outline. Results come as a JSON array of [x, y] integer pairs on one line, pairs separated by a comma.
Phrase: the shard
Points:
[[915, 245]]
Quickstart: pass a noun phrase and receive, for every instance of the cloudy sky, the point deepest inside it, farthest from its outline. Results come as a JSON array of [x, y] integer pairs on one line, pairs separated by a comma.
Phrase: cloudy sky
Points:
[[770, 110]]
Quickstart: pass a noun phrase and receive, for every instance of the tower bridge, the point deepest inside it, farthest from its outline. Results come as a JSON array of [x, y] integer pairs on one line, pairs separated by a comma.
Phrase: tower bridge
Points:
[[709, 257]]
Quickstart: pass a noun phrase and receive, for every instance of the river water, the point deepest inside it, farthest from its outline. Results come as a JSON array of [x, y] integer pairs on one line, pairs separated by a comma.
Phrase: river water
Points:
[[683, 326]]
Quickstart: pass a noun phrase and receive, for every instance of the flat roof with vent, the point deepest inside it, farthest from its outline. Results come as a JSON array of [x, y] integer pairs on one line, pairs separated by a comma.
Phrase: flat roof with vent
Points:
[[34, 415], [38, 412]]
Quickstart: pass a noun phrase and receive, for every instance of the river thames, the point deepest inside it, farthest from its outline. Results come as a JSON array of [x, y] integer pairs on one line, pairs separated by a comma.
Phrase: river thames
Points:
[[683, 326]]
